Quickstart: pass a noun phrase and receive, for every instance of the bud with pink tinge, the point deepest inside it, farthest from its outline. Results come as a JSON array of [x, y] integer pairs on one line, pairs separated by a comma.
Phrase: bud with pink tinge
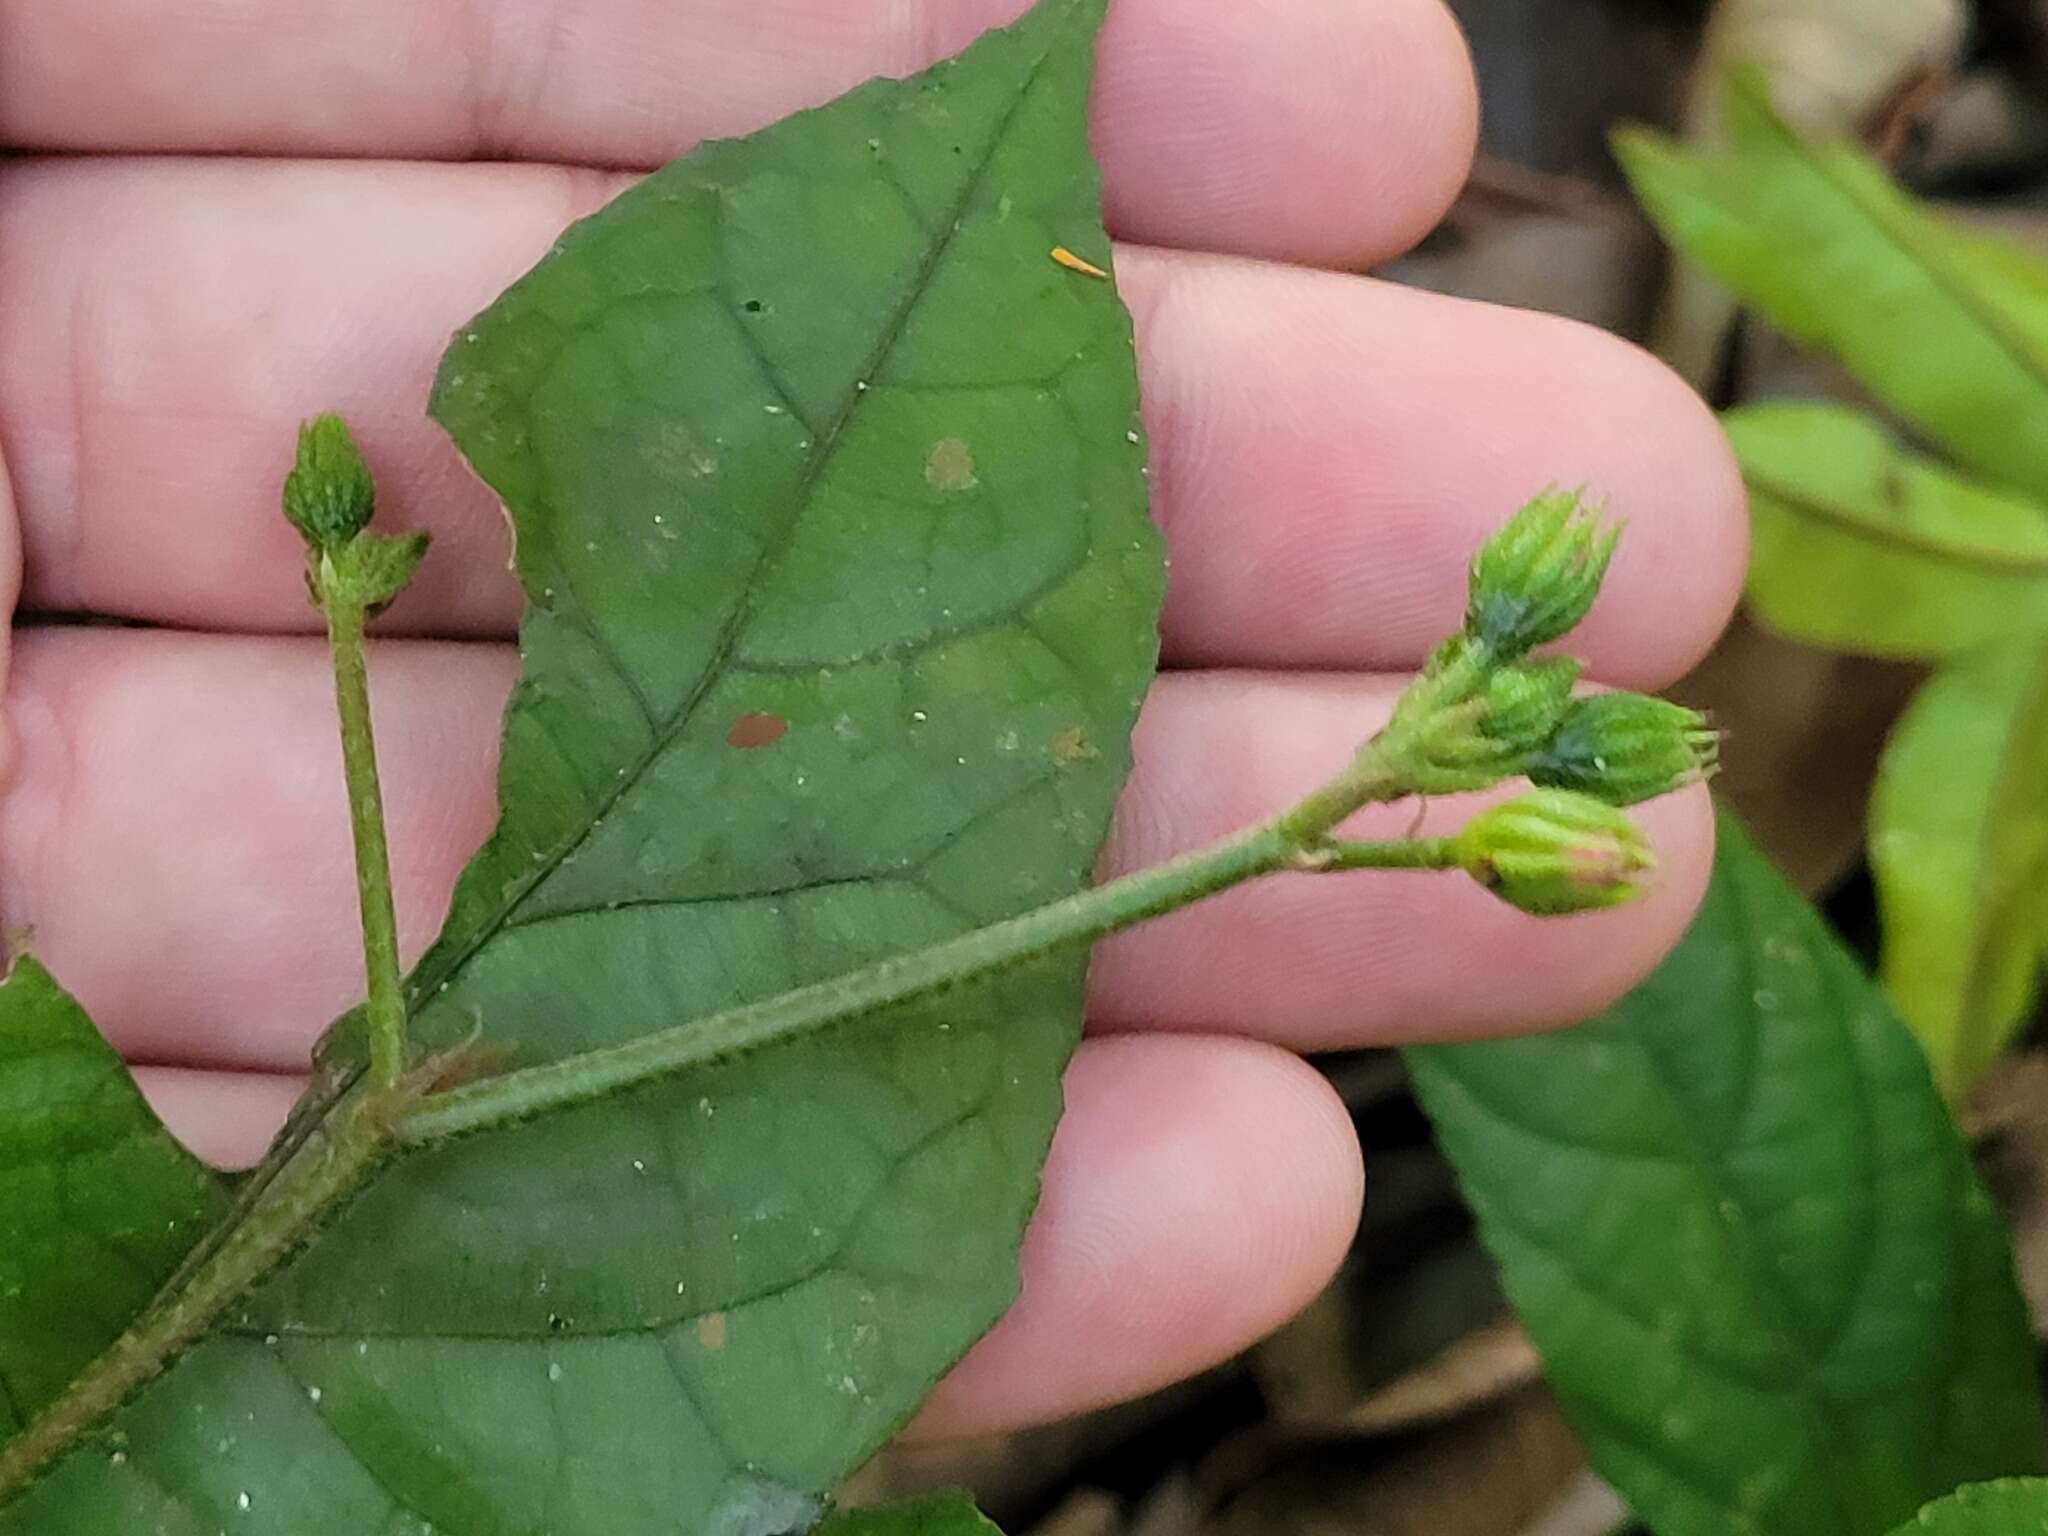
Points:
[[1552, 852]]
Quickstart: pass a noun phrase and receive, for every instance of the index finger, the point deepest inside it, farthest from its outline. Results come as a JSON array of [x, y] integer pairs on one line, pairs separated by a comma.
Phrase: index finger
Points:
[[1324, 131]]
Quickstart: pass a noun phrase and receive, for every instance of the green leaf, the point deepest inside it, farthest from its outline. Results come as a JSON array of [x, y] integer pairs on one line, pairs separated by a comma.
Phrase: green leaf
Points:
[[1959, 849], [940, 1514], [1736, 1219], [828, 492], [1947, 327], [97, 1202], [1859, 545], [2011, 1506]]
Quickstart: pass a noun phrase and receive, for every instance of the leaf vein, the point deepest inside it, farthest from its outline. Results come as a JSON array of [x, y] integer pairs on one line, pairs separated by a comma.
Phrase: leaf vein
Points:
[[824, 446], [1911, 540]]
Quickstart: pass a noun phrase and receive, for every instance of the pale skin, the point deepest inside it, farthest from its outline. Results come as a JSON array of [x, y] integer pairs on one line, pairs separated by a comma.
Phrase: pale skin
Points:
[[1328, 450]]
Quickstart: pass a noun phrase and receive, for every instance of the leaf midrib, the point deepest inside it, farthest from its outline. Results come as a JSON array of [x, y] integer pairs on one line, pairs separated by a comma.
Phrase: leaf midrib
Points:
[[1541, 1245], [1952, 285], [1907, 540], [424, 982], [1767, 1288]]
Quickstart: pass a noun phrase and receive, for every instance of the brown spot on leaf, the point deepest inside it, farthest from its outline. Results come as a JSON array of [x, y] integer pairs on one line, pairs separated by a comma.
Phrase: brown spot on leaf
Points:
[[711, 1330], [1072, 746], [756, 730], [950, 467]]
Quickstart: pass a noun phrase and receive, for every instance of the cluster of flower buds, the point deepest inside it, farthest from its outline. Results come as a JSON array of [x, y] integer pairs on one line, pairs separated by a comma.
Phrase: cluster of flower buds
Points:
[[329, 498], [1565, 847], [1493, 723]]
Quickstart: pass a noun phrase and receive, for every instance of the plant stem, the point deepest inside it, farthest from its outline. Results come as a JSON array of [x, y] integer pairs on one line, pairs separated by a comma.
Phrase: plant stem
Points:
[[1382, 768], [1406, 853], [1294, 841], [394, 1108], [325, 1170], [385, 1014], [1091, 914]]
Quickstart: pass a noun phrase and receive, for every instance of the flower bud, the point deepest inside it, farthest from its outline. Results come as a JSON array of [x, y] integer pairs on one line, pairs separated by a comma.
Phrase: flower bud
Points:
[[1495, 734], [1536, 578], [1627, 747], [1526, 703], [328, 496], [1552, 852]]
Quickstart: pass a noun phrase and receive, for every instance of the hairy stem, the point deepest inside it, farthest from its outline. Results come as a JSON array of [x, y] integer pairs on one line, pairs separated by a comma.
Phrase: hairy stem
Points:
[[520, 1095], [386, 1008], [1290, 841], [1406, 853], [328, 1167], [395, 1109]]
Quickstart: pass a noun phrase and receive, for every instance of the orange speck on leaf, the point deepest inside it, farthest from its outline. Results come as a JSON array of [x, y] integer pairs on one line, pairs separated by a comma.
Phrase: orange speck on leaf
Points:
[[1073, 263], [756, 730]]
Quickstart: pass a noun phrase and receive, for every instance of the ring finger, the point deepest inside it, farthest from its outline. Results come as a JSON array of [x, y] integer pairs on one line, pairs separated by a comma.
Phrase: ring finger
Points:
[[177, 841]]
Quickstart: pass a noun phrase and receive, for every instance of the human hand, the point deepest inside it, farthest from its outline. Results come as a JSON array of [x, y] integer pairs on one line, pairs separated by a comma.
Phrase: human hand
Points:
[[1328, 451]]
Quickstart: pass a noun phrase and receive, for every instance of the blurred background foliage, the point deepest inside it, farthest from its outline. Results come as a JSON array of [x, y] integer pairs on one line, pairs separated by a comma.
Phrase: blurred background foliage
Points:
[[1886, 691]]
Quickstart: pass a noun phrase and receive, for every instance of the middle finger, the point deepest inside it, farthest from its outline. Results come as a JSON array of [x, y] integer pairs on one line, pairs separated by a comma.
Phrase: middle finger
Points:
[[1327, 449]]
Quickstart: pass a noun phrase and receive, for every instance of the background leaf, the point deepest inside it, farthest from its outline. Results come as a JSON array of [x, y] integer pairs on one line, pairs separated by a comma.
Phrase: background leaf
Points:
[[1737, 1221], [1947, 327], [1830, 64], [828, 491], [2007, 1507], [1959, 850], [97, 1202], [1861, 546]]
